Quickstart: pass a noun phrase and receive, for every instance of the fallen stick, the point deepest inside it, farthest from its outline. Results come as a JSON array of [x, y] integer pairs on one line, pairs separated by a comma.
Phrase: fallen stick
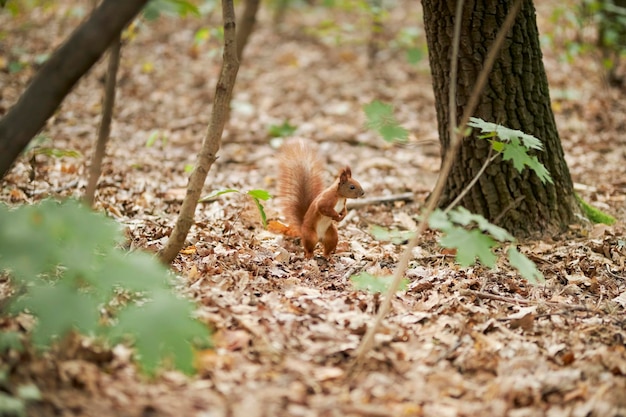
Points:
[[362, 202]]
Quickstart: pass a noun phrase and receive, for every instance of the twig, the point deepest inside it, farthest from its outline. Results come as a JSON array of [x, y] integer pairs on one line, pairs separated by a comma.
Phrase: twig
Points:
[[352, 270], [95, 170], [368, 340], [523, 302], [473, 181], [507, 208], [368, 201]]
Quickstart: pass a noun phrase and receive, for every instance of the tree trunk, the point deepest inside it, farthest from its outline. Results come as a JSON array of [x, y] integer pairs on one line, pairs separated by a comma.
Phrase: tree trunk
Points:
[[212, 140], [59, 74], [516, 96]]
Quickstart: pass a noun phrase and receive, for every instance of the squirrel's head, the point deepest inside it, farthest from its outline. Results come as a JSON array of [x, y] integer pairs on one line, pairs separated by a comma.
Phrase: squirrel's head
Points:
[[348, 187]]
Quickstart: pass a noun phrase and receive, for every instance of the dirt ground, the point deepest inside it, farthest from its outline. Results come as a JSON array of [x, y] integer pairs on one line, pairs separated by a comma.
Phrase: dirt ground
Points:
[[459, 342]]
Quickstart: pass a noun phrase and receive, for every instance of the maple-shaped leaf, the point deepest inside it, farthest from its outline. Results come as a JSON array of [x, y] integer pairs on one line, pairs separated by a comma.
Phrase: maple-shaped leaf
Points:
[[380, 118], [59, 308], [506, 134], [440, 220], [525, 266], [397, 237], [393, 132], [378, 114], [171, 337], [135, 271], [372, 283], [469, 245], [464, 217]]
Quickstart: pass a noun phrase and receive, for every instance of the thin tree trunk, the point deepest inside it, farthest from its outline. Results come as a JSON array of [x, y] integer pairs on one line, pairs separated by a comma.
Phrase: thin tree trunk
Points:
[[59, 74], [246, 25], [105, 124], [375, 41], [211, 144], [516, 96]]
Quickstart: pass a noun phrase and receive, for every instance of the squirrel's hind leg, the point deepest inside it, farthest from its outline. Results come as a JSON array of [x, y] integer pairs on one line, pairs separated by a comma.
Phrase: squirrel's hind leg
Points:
[[309, 242], [330, 240]]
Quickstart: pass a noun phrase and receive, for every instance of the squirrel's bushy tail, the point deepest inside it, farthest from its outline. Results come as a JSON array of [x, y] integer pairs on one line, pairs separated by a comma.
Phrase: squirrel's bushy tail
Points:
[[299, 179]]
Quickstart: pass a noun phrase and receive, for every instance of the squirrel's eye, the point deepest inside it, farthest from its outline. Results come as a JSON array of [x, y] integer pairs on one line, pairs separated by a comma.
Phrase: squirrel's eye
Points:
[[352, 187]]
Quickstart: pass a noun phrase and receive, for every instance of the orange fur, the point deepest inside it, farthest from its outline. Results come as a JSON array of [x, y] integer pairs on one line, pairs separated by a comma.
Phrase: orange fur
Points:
[[307, 206]]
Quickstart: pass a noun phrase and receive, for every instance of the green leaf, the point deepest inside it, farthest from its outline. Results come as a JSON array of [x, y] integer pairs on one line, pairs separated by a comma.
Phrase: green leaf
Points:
[[10, 340], [11, 406], [29, 392], [518, 154], [392, 133], [59, 308], [397, 237], [182, 8], [202, 35], [540, 170], [371, 283], [505, 133], [35, 239], [135, 271], [378, 114], [281, 131], [261, 211], [260, 194], [57, 153], [154, 136], [525, 266], [171, 337], [464, 217], [439, 220], [497, 145], [414, 55], [381, 119], [469, 245], [217, 193]]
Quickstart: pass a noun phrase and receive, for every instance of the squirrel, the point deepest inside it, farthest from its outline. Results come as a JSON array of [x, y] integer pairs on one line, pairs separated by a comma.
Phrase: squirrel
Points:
[[308, 207]]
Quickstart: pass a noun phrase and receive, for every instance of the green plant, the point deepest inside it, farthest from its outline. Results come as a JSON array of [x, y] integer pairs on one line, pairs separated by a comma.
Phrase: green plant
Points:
[[40, 145], [381, 119], [66, 270], [594, 214], [256, 195], [472, 236], [282, 130], [372, 283], [155, 8]]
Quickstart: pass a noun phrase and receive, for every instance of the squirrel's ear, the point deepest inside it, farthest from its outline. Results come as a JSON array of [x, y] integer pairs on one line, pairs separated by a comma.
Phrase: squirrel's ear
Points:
[[345, 174]]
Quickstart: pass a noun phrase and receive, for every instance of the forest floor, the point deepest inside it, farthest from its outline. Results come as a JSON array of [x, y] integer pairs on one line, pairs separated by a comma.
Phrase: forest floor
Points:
[[459, 342]]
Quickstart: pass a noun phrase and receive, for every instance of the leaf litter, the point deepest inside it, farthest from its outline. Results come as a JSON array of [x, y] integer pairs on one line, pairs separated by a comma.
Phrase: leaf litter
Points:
[[459, 341]]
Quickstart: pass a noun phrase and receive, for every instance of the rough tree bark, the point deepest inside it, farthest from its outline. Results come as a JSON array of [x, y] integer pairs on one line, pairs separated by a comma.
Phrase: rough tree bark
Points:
[[516, 96], [211, 144], [59, 74]]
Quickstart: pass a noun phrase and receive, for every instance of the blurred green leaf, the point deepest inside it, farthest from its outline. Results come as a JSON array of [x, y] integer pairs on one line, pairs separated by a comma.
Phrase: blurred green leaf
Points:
[[469, 245], [397, 237], [172, 336], [381, 119], [282, 130], [525, 266], [371, 283]]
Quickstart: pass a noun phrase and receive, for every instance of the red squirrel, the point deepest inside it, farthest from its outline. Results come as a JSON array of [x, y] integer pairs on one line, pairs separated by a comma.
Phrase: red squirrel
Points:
[[308, 207]]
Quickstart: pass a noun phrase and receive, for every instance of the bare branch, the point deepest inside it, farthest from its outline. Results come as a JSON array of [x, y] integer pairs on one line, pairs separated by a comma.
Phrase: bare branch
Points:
[[105, 124]]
